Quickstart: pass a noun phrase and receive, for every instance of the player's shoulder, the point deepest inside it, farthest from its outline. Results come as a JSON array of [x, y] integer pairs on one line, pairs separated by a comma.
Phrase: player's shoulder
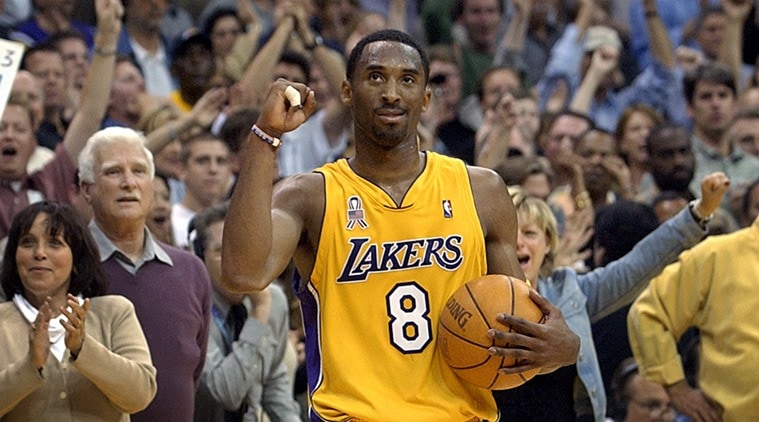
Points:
[[301, 194], [483, 178], [300, 184], [491, 196]]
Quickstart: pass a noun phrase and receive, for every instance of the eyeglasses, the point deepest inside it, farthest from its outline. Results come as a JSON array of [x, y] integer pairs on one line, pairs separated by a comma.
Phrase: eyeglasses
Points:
[[656, 408]]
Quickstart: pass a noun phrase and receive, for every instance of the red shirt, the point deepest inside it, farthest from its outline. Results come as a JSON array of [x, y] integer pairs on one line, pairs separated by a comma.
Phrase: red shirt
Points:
[[51, 183]]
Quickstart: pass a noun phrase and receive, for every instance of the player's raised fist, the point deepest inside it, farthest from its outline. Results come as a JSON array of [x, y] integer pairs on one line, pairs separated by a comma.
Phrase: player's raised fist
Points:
[[287, 106]]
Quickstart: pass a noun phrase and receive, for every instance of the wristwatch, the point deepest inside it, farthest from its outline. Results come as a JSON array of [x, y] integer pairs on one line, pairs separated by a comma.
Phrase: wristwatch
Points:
[[701, 220]]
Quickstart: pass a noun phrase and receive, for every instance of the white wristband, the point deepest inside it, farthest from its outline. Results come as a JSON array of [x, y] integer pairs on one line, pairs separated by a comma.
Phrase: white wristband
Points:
[[275, 142]]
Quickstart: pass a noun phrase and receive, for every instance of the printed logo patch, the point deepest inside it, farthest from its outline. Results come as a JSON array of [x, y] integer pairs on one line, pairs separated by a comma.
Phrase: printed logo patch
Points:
[[447, 209], [355, 213]]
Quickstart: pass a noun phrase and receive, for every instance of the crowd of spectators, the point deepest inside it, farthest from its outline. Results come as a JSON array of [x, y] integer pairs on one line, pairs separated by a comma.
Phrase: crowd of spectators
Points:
[[587, 106]]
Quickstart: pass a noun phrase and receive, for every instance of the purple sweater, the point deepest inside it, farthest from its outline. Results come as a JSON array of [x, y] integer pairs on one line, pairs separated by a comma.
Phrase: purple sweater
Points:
[[173, 305]]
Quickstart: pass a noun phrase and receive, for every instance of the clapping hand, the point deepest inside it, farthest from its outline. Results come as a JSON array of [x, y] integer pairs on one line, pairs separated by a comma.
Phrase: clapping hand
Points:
[[74, 324], [39, 338]]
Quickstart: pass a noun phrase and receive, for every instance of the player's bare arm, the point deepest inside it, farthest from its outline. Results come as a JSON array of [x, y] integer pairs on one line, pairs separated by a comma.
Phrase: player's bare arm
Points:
[[259, 239], [299, 202], [548, 346], [499, 221]]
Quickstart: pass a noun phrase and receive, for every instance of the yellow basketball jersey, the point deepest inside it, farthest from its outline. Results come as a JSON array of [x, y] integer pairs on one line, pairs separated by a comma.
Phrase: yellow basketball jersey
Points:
[[382, 276]]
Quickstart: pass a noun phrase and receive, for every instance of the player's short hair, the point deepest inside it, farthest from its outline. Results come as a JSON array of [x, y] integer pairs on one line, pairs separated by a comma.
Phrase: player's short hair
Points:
[[386, 35]]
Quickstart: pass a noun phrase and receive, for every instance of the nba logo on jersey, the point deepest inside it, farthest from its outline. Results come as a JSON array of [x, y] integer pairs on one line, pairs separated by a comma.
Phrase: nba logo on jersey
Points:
[[355, 213], [447, 209]]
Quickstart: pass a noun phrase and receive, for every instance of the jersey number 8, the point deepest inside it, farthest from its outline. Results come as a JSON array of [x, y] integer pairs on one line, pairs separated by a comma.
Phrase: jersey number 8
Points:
[[408, 307]]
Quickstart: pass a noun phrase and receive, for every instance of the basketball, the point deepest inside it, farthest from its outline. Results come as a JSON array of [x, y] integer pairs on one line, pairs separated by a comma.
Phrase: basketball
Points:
[[464, 323]]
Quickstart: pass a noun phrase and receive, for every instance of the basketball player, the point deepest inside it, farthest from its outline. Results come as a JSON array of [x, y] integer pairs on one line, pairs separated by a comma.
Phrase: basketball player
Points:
[[381, 241]]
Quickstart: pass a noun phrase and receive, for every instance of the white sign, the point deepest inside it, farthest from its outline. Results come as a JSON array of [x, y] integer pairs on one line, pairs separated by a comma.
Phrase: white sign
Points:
[[11, 53]]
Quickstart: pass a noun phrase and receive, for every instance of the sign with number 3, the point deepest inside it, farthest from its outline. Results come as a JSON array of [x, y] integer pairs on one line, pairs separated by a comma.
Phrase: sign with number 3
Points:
[[11, 53]]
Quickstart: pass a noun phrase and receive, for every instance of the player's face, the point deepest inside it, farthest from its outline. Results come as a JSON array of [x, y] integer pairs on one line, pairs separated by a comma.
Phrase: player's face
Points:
[[387, 93], [532, 246]]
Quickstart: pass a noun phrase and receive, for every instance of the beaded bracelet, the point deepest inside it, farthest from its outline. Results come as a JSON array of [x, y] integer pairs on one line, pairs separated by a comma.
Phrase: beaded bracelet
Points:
[[275, 142]]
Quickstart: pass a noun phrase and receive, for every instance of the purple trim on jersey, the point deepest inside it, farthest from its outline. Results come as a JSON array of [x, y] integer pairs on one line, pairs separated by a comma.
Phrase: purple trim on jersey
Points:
[[310, 313]]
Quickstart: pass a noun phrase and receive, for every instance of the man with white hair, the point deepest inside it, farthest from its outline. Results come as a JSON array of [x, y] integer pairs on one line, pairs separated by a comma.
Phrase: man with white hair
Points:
[[169, 287]]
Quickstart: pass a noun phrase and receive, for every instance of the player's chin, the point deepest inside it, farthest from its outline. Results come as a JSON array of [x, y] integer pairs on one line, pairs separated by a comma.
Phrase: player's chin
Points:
[[390, 134]]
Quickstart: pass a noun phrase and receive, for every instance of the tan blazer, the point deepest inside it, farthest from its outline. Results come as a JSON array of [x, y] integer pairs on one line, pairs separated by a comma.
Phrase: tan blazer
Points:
[[112, 377]]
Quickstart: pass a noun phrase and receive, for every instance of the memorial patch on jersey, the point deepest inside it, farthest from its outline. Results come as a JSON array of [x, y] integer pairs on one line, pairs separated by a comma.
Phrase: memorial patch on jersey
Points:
[[447, 209], [355, 213], [366, 258]]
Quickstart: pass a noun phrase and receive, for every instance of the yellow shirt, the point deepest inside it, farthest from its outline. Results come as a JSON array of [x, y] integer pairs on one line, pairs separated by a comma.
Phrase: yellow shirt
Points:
[[714, 287], [382, 276]]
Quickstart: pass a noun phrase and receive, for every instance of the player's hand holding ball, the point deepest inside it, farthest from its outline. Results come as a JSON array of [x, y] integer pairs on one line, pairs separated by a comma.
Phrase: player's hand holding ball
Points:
[[495, 331]]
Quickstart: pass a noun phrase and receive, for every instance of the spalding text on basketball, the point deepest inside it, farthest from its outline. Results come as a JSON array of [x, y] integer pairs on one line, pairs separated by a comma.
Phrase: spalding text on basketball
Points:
[[458, 312], [366, 258]]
